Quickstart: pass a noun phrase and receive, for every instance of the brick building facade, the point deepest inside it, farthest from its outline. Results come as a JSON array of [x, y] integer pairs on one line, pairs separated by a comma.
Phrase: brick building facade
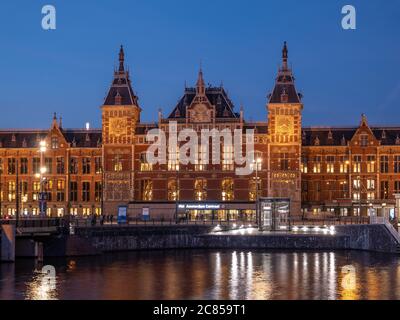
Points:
[[336, 170]]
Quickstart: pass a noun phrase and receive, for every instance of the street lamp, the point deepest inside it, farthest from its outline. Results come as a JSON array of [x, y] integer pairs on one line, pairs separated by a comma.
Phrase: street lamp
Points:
[[43, 170], [256, 163]]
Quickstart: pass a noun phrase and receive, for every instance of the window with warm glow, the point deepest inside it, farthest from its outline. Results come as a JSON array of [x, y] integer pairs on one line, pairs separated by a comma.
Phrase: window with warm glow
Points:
[[144, 164], [200, 189], [173, 190], [147, 190], [227, 190]]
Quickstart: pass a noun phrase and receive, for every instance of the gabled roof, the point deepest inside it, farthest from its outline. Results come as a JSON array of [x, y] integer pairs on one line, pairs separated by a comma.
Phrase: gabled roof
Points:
[[284, 90], [121, 92], [79, 138], [217, 97], [334, 136]]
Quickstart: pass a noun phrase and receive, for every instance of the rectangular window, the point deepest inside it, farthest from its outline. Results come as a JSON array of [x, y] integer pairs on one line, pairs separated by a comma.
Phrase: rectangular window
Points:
[[24, 166], [36, 190], [356, 196], [144, 165], [48, 189], [98, 165], [384, 164], [357, 164], [48, 163], [86, 165], [284, 161], [330, 164], [73, 191], [97, 191], [356, 183], [397, 187], [60, 190], [36, 165], [227, 158], [371, 184], [304, 165], [384, 189], [73, 166], [86, 191], [317, 165], [396, 164], [11, 191], [371, 164], [344, 164], [60, 165], [146, 190], [11, 166], [54, 142]]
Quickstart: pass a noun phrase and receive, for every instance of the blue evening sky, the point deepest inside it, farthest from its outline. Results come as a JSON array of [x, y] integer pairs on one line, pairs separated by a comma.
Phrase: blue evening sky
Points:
[[341, 73]]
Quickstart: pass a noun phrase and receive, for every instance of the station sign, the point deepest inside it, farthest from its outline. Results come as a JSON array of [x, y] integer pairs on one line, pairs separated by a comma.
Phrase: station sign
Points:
[[201, 206]]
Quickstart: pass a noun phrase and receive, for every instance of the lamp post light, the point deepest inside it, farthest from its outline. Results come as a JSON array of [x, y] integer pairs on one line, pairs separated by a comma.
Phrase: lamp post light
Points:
[[256, 163]]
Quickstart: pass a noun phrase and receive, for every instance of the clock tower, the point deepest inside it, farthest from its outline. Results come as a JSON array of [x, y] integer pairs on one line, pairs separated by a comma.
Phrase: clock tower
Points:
[[284, 131], [120, 114]]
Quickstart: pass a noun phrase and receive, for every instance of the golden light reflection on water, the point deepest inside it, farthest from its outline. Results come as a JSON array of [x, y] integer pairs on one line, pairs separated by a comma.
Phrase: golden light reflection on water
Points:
[[251, 275], [41, 287]]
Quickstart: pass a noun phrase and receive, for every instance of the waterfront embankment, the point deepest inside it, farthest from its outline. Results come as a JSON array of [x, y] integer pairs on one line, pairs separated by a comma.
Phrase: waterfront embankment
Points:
[[96, 240]]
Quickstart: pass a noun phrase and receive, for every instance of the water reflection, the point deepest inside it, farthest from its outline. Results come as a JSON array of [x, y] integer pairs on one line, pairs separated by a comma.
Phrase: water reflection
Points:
[[208, 275]]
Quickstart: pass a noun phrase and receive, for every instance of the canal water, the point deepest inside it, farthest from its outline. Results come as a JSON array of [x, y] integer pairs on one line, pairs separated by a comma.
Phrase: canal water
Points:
[[207, 275]]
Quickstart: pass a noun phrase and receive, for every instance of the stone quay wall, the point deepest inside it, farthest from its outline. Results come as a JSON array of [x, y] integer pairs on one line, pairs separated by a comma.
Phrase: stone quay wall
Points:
[[95, 240]]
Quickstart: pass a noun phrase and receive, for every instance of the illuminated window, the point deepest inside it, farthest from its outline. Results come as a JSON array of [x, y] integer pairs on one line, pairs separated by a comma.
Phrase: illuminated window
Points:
[[98, 165], [173, 192], [227, 158], [356, 183], [227, 190], [330, 164], [253, 189], [200, 189], [317, 165], [304, 165], [60, 190], [371, 184], [97, 191], [371, 164], [344, 165], [384, 189], [144, 165], [356, 196], [357, 164], [371, 195], [173, 160], [36, 190], [200, 164], [117, 164], [147, 190], [11, 191]]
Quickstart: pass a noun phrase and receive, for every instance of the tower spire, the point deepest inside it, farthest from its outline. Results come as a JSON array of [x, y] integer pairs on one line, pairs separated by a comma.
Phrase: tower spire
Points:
[[200, 85], [121, 59], [285, 52]]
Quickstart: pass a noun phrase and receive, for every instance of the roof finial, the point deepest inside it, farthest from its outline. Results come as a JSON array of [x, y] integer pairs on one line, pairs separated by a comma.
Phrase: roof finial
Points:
[[200, 86], [55, 116], [285, 52], [121, 59]]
